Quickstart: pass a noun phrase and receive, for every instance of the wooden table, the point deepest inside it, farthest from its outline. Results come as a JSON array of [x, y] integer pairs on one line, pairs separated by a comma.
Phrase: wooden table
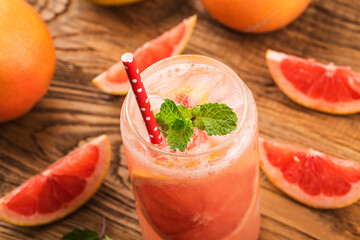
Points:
[[89, 38]]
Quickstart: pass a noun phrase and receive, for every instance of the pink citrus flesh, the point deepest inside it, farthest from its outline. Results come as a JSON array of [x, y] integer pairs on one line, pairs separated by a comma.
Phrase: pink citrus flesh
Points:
[[327, 88], [175, 214], [310, 177], [60, 189], [170, 43]]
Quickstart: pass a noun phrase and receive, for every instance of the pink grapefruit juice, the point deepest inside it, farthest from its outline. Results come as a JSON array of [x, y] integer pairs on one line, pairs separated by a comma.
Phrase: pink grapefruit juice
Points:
[[211, 190]]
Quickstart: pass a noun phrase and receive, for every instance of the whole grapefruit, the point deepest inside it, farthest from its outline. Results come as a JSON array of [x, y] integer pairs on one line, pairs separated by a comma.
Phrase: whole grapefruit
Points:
[[27, 58], [255, 16]]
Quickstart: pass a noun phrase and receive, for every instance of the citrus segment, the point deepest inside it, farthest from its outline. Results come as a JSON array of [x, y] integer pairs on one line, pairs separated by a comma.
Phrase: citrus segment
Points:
[[193, 210], [83, 167], [309, 176], [60, 189], [190, 98], [198, 138], [328, 88], [170, 43]]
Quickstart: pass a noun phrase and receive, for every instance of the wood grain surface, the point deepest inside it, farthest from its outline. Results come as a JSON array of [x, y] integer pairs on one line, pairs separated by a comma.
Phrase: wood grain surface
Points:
[[89, 38]]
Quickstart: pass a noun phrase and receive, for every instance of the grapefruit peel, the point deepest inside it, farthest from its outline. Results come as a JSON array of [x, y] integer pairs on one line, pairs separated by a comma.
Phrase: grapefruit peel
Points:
[[114, 80], [347, 170], [93, 182], [347, 88]]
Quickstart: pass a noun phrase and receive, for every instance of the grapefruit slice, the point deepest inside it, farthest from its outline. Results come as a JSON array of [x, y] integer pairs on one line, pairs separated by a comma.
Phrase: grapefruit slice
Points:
[[193, 209], [170, 43], [311, 177], [327, 88], [60, 189]]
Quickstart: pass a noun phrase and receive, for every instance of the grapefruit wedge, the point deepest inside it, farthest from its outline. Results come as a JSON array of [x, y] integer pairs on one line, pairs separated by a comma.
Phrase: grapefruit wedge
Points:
[[193, 209], [327, 88], [311, 177], [170, 43], [60, 189]]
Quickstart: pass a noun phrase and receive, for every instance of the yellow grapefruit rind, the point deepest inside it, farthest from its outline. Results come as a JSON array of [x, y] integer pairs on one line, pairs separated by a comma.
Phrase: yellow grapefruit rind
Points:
[[96, 178], [122, 88], [274, 59], [294, 191]]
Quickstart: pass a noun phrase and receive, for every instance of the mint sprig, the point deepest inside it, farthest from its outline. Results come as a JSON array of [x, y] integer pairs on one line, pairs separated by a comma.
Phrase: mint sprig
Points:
[[86, 234], [179, 134], [186, 112], [168, 114], [215, 118], [177, 122]]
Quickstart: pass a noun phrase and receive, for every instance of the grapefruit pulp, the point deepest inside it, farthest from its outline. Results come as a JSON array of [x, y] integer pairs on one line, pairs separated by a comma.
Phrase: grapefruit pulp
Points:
[[327, 88], [311, 177], [170, 43], [192, 209], [60, 189]]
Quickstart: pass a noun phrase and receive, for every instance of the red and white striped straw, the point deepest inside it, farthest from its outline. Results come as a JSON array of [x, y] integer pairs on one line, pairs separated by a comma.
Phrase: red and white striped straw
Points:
[[141, 97]]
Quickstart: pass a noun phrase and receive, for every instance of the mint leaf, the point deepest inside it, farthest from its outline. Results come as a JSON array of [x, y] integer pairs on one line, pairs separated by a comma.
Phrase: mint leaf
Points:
[[179, 124], [84, 234], [179, 134], [185, 111], [176, 122], [215, 118], [161, 124], [169, 112]]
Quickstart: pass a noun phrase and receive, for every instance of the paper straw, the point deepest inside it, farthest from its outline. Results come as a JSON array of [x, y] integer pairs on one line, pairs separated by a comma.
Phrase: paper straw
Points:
[[141, 97]]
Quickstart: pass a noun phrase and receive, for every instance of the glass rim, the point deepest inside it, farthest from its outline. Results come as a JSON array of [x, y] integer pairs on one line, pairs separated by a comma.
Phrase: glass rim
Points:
[[192, 58]]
